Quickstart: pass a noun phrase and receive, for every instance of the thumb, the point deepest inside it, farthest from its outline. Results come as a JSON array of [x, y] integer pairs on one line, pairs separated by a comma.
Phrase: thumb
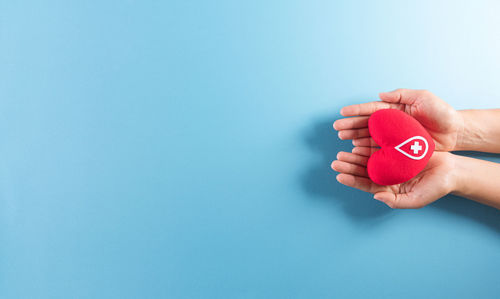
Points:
[[403, 96], [390, 96], [386, 197], [398, 201]]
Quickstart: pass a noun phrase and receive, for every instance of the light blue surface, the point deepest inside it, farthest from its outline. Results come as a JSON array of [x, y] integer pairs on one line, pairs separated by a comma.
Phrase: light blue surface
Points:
[[160, 149]]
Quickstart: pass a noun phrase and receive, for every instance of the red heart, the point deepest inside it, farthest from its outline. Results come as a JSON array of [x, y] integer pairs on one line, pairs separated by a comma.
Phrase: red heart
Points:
[[405, 147]]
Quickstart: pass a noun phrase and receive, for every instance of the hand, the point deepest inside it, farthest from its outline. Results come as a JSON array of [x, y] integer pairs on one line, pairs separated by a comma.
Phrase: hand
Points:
[[432, 183], [443, 123]]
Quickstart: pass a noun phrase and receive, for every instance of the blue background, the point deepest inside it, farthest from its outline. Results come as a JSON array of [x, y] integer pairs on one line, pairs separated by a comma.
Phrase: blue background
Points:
[[181, 149]]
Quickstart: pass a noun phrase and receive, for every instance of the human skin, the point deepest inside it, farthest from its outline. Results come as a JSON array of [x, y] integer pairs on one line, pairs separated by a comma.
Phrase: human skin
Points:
[[473, 130]]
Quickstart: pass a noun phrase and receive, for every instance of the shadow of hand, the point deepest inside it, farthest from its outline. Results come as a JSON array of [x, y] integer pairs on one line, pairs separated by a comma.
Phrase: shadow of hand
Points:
[[319, 180]]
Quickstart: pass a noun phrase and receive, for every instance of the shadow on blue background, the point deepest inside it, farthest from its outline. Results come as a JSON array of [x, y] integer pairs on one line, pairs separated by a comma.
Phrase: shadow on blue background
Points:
[[320, 183], [485, 215], [319, 180]]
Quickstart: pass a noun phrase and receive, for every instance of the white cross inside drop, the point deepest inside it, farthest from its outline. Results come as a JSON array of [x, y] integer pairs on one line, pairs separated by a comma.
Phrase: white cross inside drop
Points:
[[415, 147]]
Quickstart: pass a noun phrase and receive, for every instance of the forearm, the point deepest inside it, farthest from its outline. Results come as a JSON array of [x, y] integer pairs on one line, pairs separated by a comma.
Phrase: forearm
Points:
[[480, 131], [478, 180]]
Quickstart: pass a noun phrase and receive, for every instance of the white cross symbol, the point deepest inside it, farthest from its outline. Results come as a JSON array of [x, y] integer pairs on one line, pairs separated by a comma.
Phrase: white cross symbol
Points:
[[415, 147]]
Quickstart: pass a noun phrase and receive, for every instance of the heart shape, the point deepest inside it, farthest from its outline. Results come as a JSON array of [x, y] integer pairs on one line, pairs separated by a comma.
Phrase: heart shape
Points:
[[405, 147]]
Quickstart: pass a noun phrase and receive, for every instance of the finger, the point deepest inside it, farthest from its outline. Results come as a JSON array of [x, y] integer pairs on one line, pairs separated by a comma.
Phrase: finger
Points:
[[364, 151], [352, 134], [361, 183], [349, 168], [402, 95], [367, 108], [351, 123], [352, 158], [386, 197], [365, 141], [397, 201]]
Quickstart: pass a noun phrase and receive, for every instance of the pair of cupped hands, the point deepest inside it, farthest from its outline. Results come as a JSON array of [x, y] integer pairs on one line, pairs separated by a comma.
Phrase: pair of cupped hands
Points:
[[443, 123]]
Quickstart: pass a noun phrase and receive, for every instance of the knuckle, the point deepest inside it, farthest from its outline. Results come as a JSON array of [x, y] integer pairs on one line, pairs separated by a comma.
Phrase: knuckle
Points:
[[425, 93], [357, 109]]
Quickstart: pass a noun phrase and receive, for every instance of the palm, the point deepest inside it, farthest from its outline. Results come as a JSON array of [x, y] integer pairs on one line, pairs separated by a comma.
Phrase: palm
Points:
[[439, 118], [429, 185]]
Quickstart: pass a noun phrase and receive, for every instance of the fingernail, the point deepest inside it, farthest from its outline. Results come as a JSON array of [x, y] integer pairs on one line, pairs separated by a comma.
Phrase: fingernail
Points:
[[340, 137]]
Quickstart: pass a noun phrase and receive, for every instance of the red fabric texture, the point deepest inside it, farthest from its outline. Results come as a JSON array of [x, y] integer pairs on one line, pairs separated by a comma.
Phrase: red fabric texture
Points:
[[391, 128]]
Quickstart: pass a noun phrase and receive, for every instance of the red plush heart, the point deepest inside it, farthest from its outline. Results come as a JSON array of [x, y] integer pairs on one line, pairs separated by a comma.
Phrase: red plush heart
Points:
[[405, 147]]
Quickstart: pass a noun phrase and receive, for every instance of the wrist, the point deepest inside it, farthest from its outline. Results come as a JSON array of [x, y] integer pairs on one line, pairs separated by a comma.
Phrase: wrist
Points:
[[459, 144], [456, 174], [463, 181], [451, 178], [468, 131]]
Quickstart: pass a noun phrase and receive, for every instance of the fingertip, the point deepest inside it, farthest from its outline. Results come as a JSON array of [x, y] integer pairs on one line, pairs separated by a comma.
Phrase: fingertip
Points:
[[335, 125], [384, 96], [348, 111], [339, 155], [385, 197], [334, 165], [341, 178], [340, 135], [361, 150], [390, 96], [356, 150], [381, 195], [345, 179]]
